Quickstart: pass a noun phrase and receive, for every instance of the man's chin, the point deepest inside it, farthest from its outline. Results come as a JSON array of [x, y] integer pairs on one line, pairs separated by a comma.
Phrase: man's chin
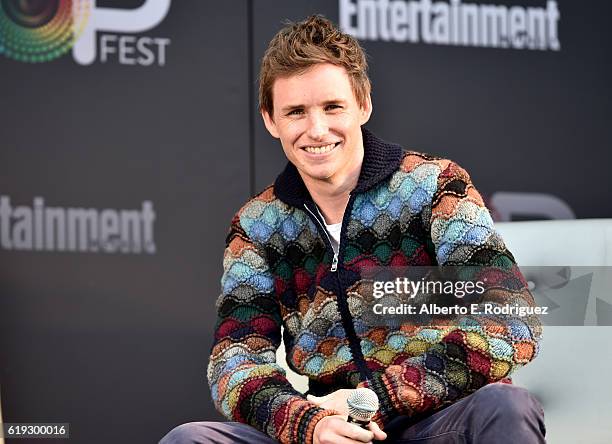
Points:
[[316, 175]]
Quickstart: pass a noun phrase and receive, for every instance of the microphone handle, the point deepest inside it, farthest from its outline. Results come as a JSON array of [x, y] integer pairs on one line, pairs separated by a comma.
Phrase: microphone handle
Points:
[[362, 424]]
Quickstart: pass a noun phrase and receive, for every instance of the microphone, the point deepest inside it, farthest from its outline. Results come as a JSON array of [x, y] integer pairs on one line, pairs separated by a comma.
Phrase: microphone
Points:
[[362, 405]]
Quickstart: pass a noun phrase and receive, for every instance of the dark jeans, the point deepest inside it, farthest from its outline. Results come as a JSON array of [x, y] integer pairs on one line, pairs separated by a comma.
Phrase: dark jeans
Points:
[[497, 413]]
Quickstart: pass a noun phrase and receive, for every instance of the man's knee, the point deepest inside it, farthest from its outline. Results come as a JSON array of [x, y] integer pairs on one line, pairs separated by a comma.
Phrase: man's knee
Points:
[[505, 413], [512, 402], [188, 433]]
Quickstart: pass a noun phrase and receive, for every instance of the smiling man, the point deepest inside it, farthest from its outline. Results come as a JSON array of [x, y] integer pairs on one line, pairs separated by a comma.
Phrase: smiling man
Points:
[[348, 200]]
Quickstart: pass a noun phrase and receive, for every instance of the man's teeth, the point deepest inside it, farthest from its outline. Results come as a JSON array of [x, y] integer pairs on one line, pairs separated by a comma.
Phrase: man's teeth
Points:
[[320, 149]]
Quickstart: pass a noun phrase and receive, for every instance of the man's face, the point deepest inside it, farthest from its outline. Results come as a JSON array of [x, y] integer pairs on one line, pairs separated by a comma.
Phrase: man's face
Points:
[[317, 119]]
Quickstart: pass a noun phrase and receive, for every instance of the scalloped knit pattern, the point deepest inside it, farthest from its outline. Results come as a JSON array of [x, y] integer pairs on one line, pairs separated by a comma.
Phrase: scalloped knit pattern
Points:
[[277, 272]]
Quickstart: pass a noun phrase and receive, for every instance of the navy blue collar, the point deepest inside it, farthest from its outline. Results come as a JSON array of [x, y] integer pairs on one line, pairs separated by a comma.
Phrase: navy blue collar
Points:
[[380, 160]]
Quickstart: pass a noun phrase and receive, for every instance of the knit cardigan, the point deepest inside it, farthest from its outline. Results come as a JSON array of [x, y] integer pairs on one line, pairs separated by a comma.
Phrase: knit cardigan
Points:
[[408, 209]]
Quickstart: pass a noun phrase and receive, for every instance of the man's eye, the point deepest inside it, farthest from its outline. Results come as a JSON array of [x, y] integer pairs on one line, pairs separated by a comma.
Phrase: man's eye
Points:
[[295, 112], [332, 107]]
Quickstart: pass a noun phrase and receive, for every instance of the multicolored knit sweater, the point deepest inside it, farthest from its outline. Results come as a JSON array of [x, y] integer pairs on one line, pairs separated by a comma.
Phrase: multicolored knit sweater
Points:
[[407, 209]]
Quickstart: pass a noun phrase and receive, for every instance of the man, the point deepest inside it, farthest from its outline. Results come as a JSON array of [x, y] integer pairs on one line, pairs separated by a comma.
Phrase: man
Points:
[[348, 200]]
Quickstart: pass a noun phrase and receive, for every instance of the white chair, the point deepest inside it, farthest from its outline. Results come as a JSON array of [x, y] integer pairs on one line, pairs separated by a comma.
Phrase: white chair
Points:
[[571, 375]]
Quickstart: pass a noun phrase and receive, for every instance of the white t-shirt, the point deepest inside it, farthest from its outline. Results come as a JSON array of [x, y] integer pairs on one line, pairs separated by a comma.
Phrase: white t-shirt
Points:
[[334, 232]]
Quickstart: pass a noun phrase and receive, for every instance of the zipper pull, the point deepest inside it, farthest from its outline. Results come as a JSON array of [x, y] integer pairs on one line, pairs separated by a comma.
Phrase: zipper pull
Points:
[[334, 266]]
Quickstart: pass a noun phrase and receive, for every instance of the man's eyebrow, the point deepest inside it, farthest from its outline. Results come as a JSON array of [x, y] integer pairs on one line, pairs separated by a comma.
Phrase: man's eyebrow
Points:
[[291, 108], [333, 101]]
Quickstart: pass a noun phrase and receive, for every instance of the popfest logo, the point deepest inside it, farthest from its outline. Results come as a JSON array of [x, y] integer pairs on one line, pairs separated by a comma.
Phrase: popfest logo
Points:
[[43, 30]]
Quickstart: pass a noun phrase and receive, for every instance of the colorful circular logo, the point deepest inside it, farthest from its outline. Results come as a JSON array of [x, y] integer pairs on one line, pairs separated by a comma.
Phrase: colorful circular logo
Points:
[[40, 30]]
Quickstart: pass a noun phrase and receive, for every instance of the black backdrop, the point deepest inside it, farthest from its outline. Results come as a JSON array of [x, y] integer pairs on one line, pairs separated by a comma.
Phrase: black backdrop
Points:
[[116, 344]]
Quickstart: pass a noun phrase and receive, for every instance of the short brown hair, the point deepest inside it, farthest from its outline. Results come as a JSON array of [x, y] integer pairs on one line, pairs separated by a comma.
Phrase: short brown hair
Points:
[[298, 46]]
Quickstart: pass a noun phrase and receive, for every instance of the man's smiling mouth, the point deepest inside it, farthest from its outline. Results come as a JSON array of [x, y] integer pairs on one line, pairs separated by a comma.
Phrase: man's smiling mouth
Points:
[[320, 149]]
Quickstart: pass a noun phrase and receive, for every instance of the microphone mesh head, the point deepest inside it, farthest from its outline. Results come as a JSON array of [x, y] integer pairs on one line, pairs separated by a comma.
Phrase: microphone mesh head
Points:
[[362, 404]]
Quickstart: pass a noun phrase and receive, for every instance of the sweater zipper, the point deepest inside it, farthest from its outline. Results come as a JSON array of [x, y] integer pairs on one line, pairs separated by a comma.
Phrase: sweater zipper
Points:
[[334, 265], [347, 321]]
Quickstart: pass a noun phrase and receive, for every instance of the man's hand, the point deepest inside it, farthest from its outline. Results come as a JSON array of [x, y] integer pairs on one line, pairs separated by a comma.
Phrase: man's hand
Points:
[[335, 430], [334, 401]]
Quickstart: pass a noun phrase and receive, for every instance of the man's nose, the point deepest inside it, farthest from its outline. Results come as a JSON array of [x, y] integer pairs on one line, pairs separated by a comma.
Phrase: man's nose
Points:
[[317, 128]]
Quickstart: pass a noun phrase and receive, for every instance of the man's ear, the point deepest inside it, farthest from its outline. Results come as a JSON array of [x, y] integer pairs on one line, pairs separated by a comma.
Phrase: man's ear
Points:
[[366, 111], [270, 124]]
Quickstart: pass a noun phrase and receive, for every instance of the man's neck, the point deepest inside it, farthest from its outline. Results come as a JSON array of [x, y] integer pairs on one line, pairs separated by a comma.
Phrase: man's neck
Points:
[[332, 203], [332, 195]]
